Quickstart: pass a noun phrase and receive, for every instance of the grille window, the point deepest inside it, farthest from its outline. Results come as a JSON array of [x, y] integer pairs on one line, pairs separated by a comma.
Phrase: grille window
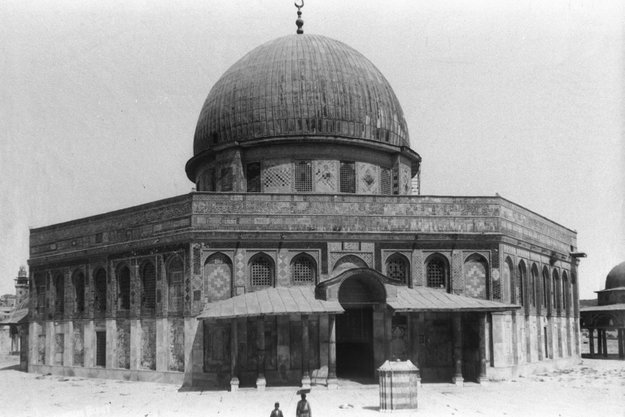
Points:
[[385, 181], [253, 177], [226, 179], [303, 176], [124, 288], [397, 268], [40, 281], [521, 285], [436, 274], [148, 277], [261, 271], [496, 287], [100, 349], [348, 177], [303, 270]]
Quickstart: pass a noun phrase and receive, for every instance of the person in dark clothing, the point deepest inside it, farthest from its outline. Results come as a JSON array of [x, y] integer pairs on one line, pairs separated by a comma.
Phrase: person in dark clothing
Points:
[[303, 408], [276, 411]]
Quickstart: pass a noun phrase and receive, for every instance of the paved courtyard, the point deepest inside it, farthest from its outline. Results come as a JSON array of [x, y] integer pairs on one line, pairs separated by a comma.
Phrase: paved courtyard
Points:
[[595, 387]]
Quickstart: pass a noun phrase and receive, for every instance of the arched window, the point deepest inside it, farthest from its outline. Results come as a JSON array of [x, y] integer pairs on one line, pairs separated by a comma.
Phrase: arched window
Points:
[[217, 277], [99, 301], [522, 275], [175, 273], [534, 286], [545, 287], [123, 281], [565, 292], [437, 272], [475, 273], [397, 268], [508, 277], [555, 290], [303, 269], [148, 280], [59, 294], [348, 262], [40, 283], [78, 279], [261, 271]]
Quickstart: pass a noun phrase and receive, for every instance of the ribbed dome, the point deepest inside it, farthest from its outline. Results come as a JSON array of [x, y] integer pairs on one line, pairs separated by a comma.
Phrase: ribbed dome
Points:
[[301, 85], [616, 277]]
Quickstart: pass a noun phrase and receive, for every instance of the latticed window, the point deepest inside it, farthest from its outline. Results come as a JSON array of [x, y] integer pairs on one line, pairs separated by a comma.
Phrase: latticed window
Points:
[[496, 287], [253, 177], [79, 291], [545, 298], [303, 176], [261, 271], [123, 280], [303, 270], [397, 268], [175, 277], [226, 179], [385, 181], [436, 273], [348, 177], [100, 290], [148, 278]]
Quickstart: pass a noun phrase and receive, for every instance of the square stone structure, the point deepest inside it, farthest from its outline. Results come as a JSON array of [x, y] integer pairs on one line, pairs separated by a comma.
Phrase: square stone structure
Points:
[[303, 258]]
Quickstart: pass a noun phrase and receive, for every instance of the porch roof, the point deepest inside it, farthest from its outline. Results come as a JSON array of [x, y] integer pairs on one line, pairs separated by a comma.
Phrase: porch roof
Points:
[[434, 300], [608, 307], [271, 302], [17, 316]]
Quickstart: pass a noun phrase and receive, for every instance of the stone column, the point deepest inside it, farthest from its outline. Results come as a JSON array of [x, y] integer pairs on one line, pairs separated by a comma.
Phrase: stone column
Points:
[[305, 348], [332, 380], [482, 322], [261, 382], [604, 333], [591, 341], [234, 353], [457, 325]]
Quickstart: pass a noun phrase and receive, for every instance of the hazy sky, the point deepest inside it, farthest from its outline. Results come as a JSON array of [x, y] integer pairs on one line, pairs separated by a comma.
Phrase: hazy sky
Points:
[[99, 100]]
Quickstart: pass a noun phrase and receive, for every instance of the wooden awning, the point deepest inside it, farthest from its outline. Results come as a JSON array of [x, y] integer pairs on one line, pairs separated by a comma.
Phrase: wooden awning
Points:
[[271, 302], [17, 316], [434, 300]]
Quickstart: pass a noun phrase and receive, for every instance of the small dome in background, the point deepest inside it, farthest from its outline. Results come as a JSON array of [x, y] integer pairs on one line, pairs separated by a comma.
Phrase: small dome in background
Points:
[[616, 277]]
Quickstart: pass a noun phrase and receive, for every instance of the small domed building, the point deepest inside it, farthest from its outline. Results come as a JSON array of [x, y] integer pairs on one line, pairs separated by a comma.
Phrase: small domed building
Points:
[[306, 254], [608, 315]]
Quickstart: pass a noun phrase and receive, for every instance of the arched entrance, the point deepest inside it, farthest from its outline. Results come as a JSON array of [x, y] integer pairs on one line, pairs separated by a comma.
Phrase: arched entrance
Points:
[[359, 295]]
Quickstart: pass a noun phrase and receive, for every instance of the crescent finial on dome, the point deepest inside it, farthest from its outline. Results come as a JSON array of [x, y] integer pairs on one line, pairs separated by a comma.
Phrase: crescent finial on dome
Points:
[[299, 22]]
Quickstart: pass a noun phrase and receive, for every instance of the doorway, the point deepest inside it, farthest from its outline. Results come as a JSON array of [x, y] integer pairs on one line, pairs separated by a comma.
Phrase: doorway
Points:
[[354, 343]]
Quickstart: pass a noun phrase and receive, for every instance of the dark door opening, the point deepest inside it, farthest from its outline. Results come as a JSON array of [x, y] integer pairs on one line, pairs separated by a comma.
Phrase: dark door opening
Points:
[[100, 349], [354, 343], [470, 348]]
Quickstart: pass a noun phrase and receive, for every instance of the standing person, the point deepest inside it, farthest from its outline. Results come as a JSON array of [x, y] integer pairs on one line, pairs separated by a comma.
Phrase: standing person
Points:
[[303, 408], [276, 411]]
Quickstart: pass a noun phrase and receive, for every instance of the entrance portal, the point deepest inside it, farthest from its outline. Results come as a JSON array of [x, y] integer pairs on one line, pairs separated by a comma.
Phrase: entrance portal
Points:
[[354, 343]]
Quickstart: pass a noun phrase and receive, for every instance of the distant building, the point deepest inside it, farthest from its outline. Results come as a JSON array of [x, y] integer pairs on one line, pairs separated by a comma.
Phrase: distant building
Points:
[[607, 315], [14, 324], [303, 256]]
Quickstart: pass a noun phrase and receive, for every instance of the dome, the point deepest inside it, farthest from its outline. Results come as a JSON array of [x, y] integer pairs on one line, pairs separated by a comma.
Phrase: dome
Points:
[[301, 85], [616, 277]]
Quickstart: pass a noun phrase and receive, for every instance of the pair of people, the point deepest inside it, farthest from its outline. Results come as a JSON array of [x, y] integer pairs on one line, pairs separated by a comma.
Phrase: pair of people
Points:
[[302, 410]]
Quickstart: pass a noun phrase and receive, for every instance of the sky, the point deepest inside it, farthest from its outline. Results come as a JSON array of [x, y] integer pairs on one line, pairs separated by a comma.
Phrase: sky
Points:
[[99, 101]]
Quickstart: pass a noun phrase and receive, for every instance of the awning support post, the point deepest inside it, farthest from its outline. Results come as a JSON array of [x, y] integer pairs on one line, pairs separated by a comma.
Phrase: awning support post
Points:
[[305, 362], [591, 341], [482, 372], [457, 325], [332, 380], [234, 353], [261, 382]]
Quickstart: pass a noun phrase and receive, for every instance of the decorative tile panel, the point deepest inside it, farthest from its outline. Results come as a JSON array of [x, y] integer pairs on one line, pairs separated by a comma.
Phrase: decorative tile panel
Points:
[[277, 176], [326, 175]]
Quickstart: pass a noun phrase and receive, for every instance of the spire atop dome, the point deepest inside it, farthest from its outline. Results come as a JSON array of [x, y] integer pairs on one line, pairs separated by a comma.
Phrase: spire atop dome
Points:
[[299, 22]]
